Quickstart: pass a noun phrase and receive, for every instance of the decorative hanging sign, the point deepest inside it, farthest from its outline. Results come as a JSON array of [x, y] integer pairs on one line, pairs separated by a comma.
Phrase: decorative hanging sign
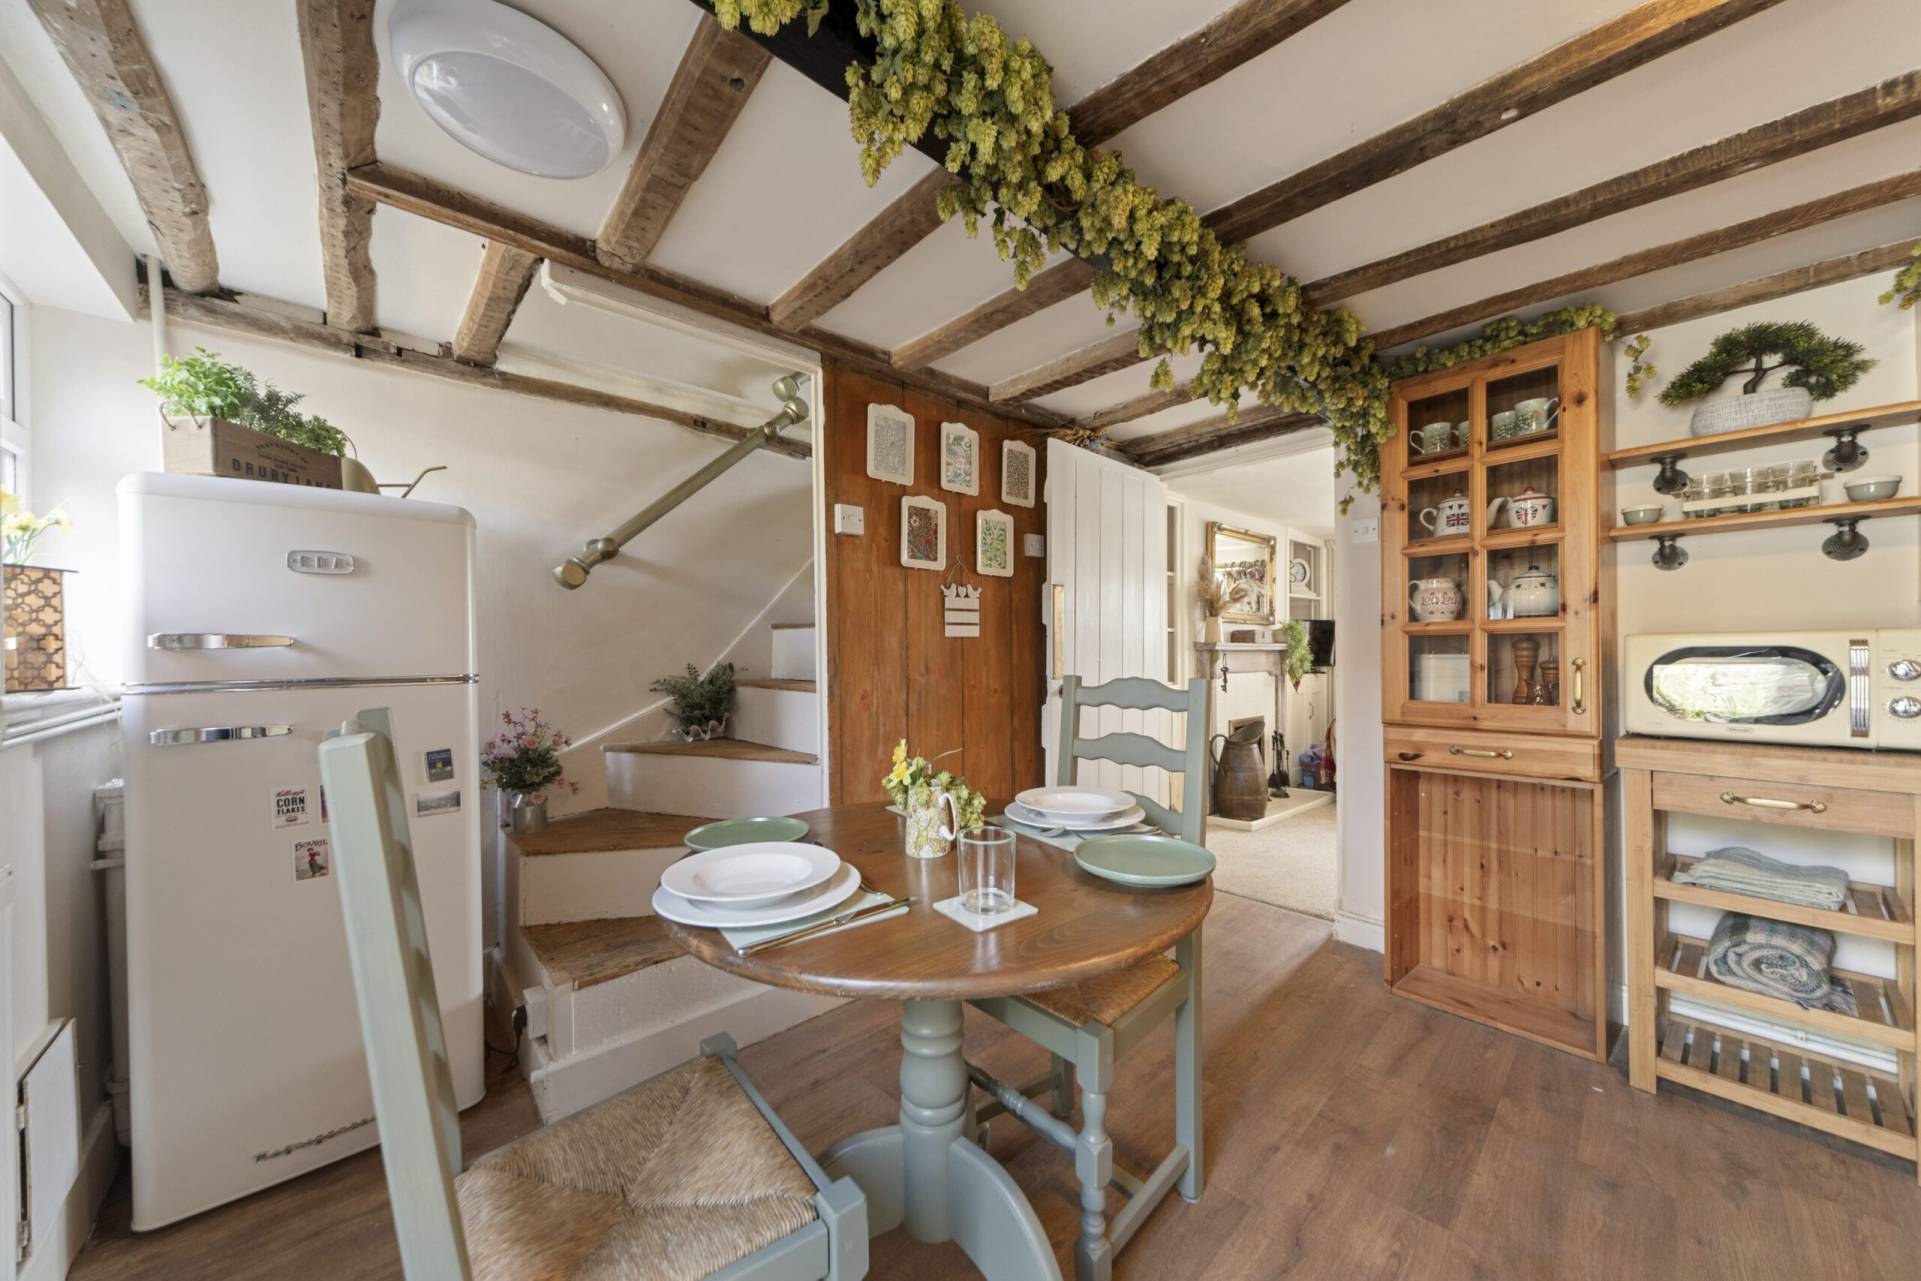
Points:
[[963, 608]]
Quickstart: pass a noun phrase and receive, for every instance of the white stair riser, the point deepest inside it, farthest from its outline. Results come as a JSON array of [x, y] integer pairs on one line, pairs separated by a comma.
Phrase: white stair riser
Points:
[[710, 786], [786, 718], [595, 886], [794, 653]]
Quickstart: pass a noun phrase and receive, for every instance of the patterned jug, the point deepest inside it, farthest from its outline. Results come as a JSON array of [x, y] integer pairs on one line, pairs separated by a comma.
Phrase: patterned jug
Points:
[[927, 837]]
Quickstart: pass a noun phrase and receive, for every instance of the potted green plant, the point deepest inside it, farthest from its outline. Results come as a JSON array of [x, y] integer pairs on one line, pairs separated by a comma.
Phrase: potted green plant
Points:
[[1820, 368], [222, 420], [701, 704]]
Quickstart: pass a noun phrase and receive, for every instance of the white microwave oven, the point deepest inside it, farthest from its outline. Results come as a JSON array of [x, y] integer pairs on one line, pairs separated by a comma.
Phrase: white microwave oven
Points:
[[1859, 688]]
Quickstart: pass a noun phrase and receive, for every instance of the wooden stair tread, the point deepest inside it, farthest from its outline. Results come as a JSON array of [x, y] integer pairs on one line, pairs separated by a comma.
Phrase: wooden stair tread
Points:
[[597, 831], [769, 682], [584, 953], [731, 749]]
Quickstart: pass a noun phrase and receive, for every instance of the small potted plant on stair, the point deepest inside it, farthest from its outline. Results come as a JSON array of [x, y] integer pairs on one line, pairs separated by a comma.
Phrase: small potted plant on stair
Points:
[[700, 705], [1820, 369]]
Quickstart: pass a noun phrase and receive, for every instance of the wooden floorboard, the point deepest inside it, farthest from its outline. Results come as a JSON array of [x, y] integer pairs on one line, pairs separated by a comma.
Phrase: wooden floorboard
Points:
[[1349, 1134]]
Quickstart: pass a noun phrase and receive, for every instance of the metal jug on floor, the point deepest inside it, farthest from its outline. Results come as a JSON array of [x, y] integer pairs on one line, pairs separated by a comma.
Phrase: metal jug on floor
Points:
[[1240, 779]]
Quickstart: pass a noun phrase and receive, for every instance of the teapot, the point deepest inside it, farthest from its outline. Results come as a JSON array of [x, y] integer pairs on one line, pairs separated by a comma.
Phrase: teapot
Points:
[[1534, 594], [1448, 517], [1526, 509], [1435, 600]]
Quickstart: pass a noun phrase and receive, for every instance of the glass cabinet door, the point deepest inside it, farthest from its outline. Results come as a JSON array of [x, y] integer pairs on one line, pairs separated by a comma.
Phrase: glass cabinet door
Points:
[[1489, 543]]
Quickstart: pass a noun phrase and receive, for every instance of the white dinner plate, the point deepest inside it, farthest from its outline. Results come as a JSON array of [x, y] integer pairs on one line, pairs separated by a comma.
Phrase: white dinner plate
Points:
[[1085, 802], [838, 889], [750, 873], [1111, 823]]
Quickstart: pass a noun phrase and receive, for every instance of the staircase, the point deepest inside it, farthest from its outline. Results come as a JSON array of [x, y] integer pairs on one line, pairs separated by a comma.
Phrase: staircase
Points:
[[611, 999]]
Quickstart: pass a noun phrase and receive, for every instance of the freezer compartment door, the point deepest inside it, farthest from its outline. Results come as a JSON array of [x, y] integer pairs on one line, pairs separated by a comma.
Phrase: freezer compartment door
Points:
[[245, 1048], [332, 586]]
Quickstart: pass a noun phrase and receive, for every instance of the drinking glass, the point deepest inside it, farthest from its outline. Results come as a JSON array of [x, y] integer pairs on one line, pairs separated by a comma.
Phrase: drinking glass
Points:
[[987, 871]]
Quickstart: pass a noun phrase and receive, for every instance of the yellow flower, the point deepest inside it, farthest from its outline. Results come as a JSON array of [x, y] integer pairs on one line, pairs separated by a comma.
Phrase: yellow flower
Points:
[[898, 775], [9, 503], [58, 519], [900, 752]]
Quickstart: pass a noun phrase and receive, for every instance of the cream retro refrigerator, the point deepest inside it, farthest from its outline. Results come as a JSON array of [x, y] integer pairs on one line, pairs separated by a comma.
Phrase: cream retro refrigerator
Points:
[[257, 618]]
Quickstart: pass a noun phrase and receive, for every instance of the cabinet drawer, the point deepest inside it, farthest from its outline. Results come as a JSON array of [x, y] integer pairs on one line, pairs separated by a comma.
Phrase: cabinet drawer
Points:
[[1521, 755], [1829, 809]]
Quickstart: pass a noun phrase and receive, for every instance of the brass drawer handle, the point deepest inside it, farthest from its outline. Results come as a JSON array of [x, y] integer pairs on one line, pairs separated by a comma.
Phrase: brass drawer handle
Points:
[[1578, 693], [1770, 803], [1503, 755]]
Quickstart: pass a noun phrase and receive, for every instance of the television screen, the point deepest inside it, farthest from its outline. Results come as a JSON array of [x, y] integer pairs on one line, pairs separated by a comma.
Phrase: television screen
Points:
[[1320, 642]]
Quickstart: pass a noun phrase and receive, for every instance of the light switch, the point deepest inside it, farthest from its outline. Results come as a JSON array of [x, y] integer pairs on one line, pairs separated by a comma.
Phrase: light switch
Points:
[[850, 519], [1365, 531], [1034, 545]]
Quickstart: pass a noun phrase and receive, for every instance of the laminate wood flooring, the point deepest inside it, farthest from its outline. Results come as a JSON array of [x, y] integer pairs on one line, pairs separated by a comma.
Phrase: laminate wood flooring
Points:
[[1350, 1134]]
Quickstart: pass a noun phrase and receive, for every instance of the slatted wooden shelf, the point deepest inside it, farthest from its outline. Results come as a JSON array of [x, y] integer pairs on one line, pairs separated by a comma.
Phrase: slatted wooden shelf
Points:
[[1524, 1015], [1782, 1080], [1777, 434], [1882, 507], [1681, 966], [1872, 911]]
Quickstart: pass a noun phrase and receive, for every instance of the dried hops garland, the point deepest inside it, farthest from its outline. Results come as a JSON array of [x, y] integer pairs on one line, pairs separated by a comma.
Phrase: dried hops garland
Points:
[[942, 74], [1906, 289]]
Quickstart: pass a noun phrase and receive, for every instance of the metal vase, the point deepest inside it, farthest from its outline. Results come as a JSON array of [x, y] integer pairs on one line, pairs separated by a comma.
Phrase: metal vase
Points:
[[529, 811]]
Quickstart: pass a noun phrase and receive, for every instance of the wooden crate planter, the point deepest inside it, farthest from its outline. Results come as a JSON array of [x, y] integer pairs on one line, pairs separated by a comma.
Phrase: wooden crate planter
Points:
[[216, 447], [36, 628]]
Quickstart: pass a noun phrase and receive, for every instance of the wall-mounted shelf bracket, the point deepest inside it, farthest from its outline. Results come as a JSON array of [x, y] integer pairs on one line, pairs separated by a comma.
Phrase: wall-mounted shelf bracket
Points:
[[1847, 541], [1668, 552], [1671, 479], [1848, 453]]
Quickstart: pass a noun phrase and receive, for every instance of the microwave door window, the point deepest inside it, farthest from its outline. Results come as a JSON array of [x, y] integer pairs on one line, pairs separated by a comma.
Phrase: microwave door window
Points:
[[1751, 686]]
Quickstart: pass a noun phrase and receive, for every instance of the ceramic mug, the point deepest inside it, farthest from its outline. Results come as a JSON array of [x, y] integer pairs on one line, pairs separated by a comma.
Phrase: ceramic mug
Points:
[[1503, 423], [1433, 438], [1531, 416], [1461, 433]]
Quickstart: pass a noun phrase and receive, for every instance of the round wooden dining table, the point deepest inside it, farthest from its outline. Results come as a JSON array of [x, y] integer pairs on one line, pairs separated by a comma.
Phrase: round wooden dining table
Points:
[[923, 1173]]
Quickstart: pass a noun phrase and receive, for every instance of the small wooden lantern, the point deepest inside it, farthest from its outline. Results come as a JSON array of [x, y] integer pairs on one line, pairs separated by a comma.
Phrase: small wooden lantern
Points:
[[36, 628]]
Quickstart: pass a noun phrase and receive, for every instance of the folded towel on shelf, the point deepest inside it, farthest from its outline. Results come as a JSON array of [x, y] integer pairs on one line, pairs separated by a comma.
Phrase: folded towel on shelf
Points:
[[1739, 870], [1778, 959]]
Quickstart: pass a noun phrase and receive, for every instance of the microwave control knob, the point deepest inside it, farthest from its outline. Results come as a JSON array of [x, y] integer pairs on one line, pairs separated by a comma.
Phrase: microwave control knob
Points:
[[1904, 669], [1907, 707]]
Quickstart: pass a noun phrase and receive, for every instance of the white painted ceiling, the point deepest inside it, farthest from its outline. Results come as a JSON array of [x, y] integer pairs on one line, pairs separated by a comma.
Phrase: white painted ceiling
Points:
[[1293, 488], [785, 188]]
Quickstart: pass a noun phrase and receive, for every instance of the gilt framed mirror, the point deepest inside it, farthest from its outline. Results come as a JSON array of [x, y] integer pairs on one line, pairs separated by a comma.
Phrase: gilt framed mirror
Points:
[[1244, 569]]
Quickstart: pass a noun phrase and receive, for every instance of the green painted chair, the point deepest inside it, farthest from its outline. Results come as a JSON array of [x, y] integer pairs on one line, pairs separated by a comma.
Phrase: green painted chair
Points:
[[688, 1175], [1089, 1026]]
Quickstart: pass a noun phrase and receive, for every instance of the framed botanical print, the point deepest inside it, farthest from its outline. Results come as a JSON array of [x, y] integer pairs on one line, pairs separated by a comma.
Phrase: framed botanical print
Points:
[[960, 458], [1244, 571], [994, 544], [923, 533], [1017, 474], [890, 444]]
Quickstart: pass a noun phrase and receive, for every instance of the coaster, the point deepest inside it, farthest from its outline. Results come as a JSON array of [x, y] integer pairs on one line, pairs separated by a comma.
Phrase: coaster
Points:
[[951, 909]]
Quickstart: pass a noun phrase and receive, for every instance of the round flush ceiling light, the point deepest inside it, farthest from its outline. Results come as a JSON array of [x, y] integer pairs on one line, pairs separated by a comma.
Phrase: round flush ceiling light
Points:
[[508, 87]]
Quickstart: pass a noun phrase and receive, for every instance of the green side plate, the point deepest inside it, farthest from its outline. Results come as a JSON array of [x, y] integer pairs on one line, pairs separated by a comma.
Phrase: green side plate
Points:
[[742, 831], [1148, 861]]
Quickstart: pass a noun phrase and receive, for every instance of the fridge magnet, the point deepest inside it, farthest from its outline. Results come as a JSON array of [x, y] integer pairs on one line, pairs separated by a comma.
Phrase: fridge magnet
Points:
[[962, 610], [312, 859], [923, 533], [994, 544], [290, 807], [438, 803], [890, 444], [960, 458], [1017, 474], [440, 765]]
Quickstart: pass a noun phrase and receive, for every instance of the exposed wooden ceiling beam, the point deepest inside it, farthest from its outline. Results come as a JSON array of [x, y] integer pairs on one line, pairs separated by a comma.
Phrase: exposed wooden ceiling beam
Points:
[[224, 313], [1823, 125], [1122, 351], [1829, 271], [716, 76], [1255, 423], [1054, 284], [423, 197], [1571, 67], [1594, 56], [505, 273], [1247, 30], [1139, 407], [343, 102], [104, 50], [1754, 230]]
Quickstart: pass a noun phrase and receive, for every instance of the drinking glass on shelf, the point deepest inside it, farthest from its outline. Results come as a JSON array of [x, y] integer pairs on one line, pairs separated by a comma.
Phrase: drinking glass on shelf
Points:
[[987, 871]]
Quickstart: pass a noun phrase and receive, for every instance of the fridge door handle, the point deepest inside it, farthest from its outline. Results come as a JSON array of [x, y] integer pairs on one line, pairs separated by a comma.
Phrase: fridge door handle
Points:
[[216, 640], [216, 734]]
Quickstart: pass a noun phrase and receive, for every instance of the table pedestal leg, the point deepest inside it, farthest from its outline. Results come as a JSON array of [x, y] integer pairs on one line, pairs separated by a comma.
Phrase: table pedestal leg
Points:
[[923, 1175]]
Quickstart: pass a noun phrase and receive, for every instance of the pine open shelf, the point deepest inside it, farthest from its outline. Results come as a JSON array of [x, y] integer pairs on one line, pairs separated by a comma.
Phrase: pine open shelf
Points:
[[1872, 911], [1681, 966], [1522, 1015], [1777, 434], [1769, 520]]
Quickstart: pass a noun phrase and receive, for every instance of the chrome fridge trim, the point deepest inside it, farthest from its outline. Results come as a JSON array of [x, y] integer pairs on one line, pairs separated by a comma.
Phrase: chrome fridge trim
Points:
[[314, 682]]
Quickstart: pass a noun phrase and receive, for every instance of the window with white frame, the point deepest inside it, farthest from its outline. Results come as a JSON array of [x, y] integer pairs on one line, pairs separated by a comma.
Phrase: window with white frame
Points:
[[13, 433]]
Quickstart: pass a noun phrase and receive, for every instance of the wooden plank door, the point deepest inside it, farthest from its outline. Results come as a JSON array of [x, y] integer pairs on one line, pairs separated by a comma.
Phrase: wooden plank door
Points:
[[1106, 602]]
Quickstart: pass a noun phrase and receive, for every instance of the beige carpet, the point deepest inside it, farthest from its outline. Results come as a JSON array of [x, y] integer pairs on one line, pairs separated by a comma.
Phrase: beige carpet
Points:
[[1292, 864]]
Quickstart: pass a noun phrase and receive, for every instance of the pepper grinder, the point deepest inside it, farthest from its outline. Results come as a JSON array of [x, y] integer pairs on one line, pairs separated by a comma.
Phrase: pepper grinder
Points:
[[1526, 649], [1547, 690]]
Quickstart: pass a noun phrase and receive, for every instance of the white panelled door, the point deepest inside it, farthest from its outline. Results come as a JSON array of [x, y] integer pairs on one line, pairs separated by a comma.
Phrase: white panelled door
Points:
[[1106, 601]]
